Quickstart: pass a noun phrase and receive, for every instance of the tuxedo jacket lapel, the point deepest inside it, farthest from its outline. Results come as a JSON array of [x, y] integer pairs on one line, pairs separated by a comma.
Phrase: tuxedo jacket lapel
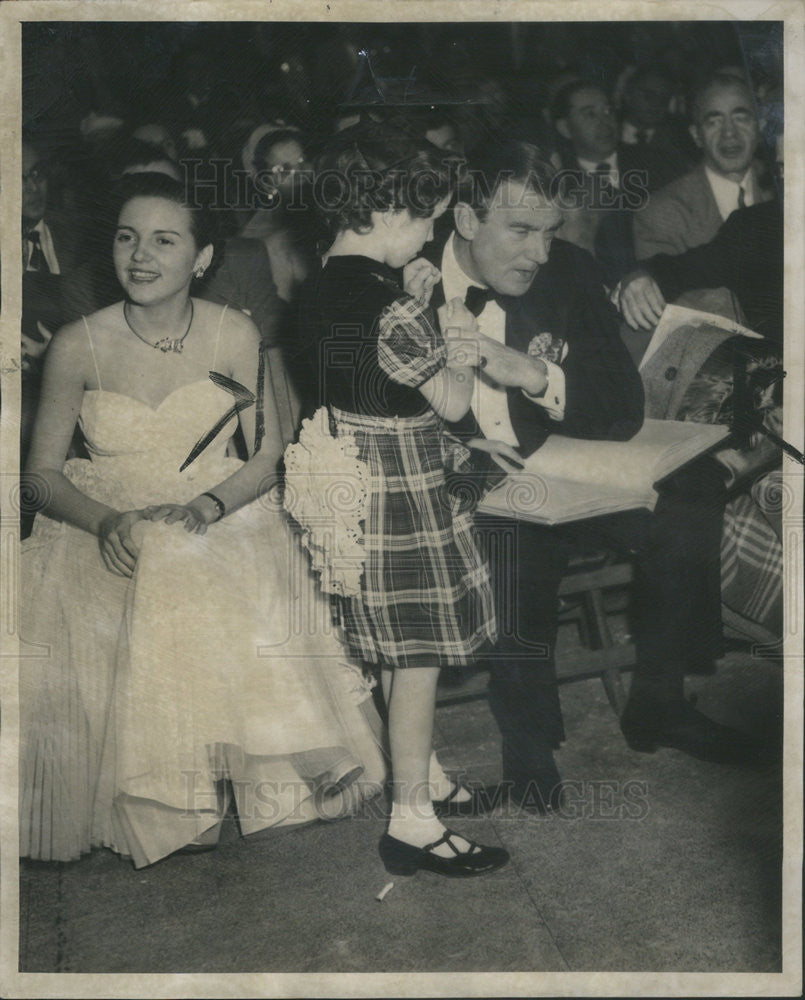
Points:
[[521, 326]]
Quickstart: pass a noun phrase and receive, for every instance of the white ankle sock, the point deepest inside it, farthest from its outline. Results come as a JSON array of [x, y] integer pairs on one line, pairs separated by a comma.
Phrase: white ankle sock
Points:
[[415, 825], [440, 784]]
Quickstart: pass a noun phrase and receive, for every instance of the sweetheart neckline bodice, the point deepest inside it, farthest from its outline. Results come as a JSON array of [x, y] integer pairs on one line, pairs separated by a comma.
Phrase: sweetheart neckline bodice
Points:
[[142, 402]]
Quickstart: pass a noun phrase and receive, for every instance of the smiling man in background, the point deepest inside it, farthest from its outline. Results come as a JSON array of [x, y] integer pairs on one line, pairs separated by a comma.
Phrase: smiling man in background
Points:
[[690, 210]]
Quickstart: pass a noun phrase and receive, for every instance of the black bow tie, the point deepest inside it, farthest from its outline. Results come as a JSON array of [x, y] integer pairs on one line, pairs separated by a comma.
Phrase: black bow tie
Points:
[[476, 298]]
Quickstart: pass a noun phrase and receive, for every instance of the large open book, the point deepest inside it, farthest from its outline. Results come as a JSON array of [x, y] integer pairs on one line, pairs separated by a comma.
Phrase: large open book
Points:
[[568, 479]]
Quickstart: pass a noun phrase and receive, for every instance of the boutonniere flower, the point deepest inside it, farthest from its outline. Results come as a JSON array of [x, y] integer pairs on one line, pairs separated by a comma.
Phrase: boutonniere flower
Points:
[[546, 346]]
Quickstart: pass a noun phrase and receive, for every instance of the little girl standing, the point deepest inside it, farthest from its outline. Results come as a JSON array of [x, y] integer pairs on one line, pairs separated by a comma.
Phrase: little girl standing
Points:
[[423, 600]]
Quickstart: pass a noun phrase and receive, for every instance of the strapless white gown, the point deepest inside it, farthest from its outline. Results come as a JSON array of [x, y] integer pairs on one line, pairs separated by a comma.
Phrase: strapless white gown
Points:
[[217, 659]]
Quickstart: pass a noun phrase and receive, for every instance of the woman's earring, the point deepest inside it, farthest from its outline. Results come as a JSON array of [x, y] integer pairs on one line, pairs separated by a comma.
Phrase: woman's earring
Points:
[[199, 272]]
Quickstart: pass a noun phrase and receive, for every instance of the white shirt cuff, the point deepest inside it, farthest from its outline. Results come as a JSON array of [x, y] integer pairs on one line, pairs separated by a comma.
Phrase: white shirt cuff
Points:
[[552, 400]]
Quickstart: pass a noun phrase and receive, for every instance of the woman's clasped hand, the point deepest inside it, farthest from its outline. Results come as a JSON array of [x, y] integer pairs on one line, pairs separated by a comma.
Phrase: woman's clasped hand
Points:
[[119, 541]]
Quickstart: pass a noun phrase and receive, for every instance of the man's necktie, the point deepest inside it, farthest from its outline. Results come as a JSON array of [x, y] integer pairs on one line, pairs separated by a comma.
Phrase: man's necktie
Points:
[[741, 197], [37, 261], [602, 172]]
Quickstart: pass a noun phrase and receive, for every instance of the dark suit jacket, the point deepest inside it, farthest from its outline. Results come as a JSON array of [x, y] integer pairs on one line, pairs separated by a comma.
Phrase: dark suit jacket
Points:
[[670, 153], [746, 256], [56, 299], [601, 225], [604, 394]]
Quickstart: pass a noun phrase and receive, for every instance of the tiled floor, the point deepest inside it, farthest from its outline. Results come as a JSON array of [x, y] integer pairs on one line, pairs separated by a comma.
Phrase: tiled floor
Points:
[[660, 862]]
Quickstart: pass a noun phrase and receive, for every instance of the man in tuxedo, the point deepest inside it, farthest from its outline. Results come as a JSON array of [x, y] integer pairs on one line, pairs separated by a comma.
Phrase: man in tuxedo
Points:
[[690, 210], [554, 362]]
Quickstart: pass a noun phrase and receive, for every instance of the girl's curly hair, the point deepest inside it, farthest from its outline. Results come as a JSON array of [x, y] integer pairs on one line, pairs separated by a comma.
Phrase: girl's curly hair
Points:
[[374, 167]]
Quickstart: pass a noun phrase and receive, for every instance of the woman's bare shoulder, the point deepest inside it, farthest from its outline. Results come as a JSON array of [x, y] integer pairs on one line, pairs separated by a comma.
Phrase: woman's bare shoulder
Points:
[[98, 323], [235, 324], [75, 341]]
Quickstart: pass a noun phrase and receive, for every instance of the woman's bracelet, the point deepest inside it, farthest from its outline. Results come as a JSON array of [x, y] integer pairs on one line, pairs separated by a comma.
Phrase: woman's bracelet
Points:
[[219, 504]]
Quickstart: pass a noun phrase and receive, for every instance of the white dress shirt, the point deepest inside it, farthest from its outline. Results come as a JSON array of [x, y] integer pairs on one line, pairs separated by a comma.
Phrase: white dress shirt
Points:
[[46, 243], [591, 167], [490, 403], [726, 191]]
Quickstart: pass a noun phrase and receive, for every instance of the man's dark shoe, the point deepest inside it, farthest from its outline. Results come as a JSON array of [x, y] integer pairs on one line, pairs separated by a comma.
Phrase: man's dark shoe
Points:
[[531, 779], [534, 797], [648, 724], [532, 784]]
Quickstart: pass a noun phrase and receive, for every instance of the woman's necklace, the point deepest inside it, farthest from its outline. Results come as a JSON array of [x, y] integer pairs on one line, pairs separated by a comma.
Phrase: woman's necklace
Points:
[[166, 343]]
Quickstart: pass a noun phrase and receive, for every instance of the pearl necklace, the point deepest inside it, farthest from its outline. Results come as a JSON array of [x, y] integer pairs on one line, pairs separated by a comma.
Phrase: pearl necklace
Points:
[[165, 344]]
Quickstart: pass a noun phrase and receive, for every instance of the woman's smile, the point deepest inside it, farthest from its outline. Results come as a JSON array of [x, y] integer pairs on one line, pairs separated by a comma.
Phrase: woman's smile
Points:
[[141, 276]]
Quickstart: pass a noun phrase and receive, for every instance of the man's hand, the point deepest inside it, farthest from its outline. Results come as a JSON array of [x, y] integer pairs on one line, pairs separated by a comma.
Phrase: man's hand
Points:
[[419, 279], [512, 368], [640, 301], [502, 454]]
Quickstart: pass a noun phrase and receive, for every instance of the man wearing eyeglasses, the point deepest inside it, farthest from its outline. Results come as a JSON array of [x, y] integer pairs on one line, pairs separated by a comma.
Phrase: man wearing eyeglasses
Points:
[[38, 251], [56, 281]]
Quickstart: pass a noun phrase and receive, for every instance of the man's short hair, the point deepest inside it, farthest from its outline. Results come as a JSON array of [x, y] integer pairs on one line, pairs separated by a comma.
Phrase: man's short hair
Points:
[[511, 160], [720, 78], [560, 105]]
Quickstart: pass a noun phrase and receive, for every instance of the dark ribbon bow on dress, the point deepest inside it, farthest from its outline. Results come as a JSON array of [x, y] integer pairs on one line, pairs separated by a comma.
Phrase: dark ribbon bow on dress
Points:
[[244, 398]]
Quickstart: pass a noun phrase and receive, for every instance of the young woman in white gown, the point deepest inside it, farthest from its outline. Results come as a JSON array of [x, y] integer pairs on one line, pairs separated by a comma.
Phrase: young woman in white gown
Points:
[[175, 645]]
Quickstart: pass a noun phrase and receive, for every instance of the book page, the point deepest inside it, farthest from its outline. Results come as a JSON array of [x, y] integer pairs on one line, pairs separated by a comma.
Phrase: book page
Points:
[[658, 448], [529, 497], [569, 478], [673, 317]]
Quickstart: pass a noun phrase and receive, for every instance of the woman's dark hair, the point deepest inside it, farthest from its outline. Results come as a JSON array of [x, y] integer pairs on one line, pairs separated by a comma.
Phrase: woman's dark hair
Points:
[[265, 145], [374, 167], [159, 185]]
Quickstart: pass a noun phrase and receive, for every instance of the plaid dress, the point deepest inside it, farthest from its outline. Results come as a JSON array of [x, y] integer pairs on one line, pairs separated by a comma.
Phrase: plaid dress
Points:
[[425, 598]]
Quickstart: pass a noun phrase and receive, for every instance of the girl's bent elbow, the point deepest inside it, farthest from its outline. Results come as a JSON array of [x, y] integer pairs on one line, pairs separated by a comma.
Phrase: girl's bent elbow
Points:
[[455, 411]]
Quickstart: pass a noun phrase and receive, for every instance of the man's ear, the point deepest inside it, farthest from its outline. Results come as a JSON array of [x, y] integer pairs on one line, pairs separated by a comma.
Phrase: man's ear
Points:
[[694, 131], [467, 222], [562, 129]]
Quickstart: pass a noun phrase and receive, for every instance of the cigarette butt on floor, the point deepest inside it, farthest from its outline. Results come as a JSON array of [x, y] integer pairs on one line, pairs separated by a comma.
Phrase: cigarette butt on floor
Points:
[[384, 892]]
